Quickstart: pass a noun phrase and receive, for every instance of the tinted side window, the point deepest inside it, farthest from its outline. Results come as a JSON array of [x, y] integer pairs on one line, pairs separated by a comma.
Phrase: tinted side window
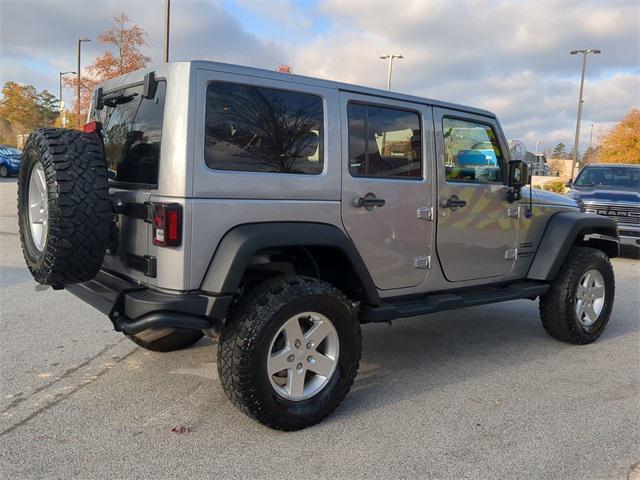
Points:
[[257, 129], [384, 142], [471, 152], [132, 131]]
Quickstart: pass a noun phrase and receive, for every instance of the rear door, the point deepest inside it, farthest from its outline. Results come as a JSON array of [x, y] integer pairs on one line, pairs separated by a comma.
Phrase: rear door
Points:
[[131, 132], [386, 192], [477, 226]]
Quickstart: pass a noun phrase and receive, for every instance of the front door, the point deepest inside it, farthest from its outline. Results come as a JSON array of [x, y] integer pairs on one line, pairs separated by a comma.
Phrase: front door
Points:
[[386, 191], [477, 226]]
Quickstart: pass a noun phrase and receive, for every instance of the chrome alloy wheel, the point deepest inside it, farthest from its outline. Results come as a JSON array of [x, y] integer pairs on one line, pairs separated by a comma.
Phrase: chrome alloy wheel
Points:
[[38, 206], [590, 296], [303, 356]]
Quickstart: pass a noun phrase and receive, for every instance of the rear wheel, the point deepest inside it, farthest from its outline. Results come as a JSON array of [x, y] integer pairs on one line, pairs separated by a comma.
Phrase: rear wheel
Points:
[[289, 352], [166, 339], [578, 305]]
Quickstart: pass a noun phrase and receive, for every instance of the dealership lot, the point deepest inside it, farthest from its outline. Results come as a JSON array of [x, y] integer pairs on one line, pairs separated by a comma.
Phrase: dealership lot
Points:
[[479, 393]]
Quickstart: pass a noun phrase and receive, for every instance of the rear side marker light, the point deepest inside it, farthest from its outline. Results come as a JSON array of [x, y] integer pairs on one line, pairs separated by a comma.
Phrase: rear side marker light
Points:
[[167, 224], [92, 127]]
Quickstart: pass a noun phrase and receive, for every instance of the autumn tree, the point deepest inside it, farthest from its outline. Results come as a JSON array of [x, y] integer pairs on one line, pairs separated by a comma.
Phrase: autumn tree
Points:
[[622, 144], [556, 166], [124, 42], [23, 108], [284, 68]]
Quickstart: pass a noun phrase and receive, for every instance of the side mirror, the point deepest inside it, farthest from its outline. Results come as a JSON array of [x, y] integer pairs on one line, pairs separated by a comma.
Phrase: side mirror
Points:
[[518, 174], [569, 184]]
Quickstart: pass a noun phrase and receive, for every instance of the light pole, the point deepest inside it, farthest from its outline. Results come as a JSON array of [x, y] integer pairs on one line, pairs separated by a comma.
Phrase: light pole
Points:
[[167, 9], [591, 135], [390, 56], [584, 52], [80, 40], [62, 74]]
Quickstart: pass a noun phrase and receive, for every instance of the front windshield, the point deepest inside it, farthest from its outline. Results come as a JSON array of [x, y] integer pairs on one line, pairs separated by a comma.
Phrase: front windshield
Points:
[[627, 178], [9, 151]]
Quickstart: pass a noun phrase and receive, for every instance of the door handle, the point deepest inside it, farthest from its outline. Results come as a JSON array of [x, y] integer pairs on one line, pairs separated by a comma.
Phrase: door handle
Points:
[[453, 203], [369, 202]]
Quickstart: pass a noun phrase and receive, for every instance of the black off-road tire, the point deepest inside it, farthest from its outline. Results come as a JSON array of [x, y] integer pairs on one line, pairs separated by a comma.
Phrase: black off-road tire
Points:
[[4, 172], [557, 306], [80, 212], [246, 340], [166, 339]]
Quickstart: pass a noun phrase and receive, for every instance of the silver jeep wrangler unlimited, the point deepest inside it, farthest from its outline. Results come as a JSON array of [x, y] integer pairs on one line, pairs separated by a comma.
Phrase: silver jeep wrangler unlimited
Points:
[[282, 212]]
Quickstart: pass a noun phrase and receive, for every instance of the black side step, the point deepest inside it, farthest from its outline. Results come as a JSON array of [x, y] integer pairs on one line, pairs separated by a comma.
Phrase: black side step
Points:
[[447, 301]]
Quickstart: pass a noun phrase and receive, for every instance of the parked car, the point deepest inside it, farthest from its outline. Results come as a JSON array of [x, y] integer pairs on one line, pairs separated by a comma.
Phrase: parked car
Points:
[[281, 212], [612, 190], [9, 161]]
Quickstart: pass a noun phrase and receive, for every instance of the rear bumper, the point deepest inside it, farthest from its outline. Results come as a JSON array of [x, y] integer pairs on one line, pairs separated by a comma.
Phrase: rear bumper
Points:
[[133, 308]]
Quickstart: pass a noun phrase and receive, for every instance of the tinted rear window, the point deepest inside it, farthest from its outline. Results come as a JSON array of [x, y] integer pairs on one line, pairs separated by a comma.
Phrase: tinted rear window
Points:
[[132, 130], [257, 129]]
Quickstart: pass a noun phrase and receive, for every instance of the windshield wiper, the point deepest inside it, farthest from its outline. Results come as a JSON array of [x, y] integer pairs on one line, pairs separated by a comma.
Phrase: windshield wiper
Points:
[[114, 99]]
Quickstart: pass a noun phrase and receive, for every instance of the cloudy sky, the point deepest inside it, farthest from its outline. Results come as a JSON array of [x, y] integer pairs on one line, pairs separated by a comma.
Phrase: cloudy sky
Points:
[[509, 57]]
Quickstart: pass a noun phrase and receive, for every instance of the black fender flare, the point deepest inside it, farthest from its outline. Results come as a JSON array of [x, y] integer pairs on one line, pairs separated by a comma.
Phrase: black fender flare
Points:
[[239, 244], [561, 233]]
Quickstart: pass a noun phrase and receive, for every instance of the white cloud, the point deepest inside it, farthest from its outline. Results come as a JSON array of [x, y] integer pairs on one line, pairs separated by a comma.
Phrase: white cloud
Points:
[[509, 57]]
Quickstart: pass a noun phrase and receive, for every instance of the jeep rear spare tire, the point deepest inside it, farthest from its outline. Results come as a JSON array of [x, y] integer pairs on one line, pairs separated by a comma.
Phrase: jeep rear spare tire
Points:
[[64, 210]]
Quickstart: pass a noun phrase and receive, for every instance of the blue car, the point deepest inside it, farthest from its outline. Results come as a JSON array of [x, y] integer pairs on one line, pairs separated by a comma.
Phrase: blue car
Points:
[[9, 161]]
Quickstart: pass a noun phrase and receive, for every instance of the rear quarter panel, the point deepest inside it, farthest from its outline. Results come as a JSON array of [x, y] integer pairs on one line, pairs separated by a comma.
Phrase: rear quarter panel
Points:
[[222, 200]]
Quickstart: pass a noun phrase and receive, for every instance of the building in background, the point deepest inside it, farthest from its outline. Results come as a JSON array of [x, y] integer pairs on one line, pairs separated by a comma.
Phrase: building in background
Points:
[[537, 163]]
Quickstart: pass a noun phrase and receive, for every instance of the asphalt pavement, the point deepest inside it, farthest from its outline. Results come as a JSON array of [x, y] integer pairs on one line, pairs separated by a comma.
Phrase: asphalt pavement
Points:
[[478, 393]]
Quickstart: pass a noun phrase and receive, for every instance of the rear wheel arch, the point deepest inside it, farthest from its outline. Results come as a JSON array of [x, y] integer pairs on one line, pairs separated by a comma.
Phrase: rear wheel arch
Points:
[[313, 249]]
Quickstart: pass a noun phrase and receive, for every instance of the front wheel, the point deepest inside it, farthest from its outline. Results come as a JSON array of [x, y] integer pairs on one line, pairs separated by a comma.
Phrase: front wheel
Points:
[[578, 305], [4, 172], [289, 352]]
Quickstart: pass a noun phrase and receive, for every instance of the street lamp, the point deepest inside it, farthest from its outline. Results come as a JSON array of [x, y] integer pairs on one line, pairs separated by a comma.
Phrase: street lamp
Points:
[[390, 56], [62, 74], [80, 40], [584, 53]]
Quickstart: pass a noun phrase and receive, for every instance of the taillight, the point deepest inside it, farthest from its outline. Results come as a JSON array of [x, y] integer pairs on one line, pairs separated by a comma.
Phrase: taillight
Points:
[[92, 127], [167, 224]]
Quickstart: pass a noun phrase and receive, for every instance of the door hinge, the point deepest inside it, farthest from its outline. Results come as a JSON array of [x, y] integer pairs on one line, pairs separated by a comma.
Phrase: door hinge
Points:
[[513, 212], [141, 211], [511, 254], [426, 213], [422, 262], [143, 263]]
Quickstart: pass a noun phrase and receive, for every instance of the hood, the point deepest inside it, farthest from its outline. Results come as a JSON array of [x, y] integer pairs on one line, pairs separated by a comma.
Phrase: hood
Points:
[[542, 197], [603, 195]]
